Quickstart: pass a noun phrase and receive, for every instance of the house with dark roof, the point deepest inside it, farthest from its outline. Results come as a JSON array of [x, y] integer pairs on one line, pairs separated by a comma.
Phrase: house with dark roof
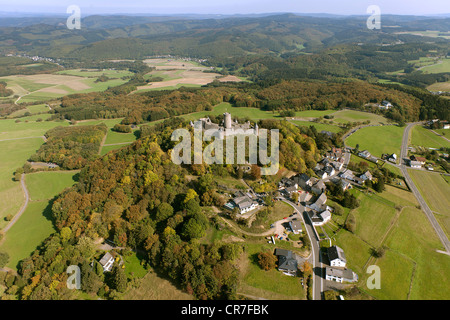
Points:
[[319, 187], [296, 226], [303, 180], [319, 218], [336, 257], [286, 261], [319, 203]]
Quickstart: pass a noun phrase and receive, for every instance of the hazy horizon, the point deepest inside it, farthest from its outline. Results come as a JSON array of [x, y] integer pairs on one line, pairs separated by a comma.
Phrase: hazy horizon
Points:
[[230, 7]]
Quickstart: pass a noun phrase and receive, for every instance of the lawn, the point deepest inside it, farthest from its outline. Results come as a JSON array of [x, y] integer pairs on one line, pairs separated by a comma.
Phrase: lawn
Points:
[[9, 129], [46, 185], [94, 73], [441, 67], [133, 265], [13, 155], [373, 218], [435, 191], [33, 227], [356, 250], [345, 116], [396, 271], [34, 109], [107, 149], [319, 126], [35, 224], [118, 137], [271, 284], [414, 237], [421, 136], [313, 113], [378, 140], [153, 287], [251, 113]]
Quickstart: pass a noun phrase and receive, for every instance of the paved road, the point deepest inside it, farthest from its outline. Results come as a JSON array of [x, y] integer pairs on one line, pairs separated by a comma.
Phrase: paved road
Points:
[[315, 248], [415, 191]]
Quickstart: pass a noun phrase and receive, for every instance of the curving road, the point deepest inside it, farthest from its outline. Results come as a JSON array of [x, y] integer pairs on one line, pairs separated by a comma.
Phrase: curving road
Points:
[[415, 191]]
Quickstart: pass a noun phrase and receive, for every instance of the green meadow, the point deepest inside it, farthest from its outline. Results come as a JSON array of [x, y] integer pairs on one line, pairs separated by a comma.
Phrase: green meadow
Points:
[[378, 140], [421, 136], [35, 224], [410, 267], [319, 126]]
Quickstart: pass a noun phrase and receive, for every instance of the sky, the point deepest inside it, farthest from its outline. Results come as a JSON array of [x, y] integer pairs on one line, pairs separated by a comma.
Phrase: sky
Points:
[[341, 7]]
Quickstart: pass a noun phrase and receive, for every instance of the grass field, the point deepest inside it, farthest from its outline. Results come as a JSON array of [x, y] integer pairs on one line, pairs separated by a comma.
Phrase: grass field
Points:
[[34, 109], [319, 126], [345, 116], [46, 185], [440, 67], [251, 113], [44, 87], [440, 86], [313, 113], [421, 136], [414, 238], [378, 140], [95, 73], [373, 218], [435, 191], [13, 155], [271, 284], [153, 287], [35, 224], [28, 232], [118, 137], [410, 268]]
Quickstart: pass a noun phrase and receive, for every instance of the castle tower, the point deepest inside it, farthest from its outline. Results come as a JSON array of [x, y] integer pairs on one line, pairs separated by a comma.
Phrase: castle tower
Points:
[[227, 120]]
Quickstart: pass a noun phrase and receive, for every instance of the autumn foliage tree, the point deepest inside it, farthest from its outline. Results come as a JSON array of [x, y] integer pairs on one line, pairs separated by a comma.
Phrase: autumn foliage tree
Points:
[[267, 260]]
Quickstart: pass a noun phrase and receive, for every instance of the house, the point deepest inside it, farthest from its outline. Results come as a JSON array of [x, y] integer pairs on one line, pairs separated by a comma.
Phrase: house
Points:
[[337, 165], [107, 262], [296, 226], [329, 170], [319, 218], [345, 185], [321, 174], [334, 154], [303, 180], [340, 274], [422, 160], [347, 174], [415, 164], [286, 261], [336, 257], [366, 176], [285, 183], [318, 187], [364, 154], [245, 204], [319, 203], [289, 190], [392, 158], [386, 104]]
